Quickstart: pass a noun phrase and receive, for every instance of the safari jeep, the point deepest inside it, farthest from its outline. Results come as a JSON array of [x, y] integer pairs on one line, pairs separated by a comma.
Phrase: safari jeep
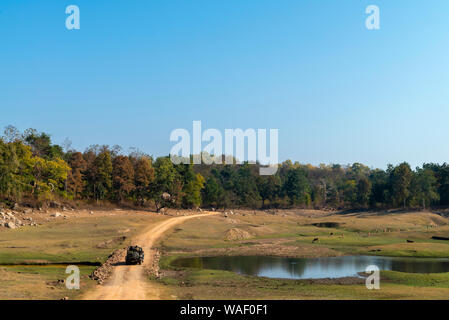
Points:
[[134, 255]]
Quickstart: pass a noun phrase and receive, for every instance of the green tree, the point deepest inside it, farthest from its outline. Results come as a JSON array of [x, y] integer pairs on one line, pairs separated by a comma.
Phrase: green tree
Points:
[[10, 185], [101, 175], [167, 185], [192, 191], [426, 186], [269, 188], [213, 192], [297, 187], [363, 191], [244, 186], [349, 189], [401, 177], [41, 145]]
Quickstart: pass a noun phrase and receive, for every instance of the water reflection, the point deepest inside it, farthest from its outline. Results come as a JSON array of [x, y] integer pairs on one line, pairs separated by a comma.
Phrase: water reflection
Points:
[[313, 268]]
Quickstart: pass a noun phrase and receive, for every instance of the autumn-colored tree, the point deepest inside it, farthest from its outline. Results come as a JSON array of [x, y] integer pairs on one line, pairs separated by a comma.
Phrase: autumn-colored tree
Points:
[[76, 179], [143, 177], [122, 177], [32, 167]]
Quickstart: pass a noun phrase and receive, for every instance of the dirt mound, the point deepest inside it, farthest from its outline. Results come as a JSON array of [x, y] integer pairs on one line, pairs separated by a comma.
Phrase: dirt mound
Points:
[[438, 221], [236, 234]]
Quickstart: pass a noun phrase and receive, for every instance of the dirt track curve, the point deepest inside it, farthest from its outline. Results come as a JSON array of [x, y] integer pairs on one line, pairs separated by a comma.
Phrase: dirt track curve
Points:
[[130, 282]]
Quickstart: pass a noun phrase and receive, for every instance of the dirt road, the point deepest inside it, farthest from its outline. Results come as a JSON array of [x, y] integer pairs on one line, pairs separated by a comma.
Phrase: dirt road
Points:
[[130, 282]]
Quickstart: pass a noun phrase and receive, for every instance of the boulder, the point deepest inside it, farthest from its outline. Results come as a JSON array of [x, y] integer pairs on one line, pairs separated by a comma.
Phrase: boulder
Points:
[[10, 225], [166, 196]]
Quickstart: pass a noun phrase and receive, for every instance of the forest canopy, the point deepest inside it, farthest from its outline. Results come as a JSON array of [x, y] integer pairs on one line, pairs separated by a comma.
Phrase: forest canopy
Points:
[[34, 170]]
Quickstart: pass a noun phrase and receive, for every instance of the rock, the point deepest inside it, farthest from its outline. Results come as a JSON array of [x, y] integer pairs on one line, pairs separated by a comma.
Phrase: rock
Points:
[[56, 214], [166, 196], [105, 270], [10, 225], [91, 212]]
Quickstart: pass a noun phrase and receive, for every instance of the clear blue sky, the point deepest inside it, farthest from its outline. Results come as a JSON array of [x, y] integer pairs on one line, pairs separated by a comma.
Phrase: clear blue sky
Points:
[[136, 70]]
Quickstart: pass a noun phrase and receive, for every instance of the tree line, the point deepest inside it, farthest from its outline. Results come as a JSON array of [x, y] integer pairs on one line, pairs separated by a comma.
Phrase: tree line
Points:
[[34, 170]]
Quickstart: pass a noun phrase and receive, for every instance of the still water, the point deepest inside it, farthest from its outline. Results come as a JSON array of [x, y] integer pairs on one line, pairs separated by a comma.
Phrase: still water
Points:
[[313, 268]]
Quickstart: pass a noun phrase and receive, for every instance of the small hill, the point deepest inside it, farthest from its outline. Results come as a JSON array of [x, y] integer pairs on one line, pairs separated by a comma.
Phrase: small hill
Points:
[[236, 234]]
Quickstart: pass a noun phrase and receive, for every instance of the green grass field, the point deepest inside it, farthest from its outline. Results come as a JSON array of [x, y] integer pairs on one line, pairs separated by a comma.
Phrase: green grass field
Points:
[[87, 239], [79, 240]]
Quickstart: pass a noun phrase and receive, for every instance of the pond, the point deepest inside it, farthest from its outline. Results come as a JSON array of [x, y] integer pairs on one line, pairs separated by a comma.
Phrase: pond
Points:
[[313, 268]]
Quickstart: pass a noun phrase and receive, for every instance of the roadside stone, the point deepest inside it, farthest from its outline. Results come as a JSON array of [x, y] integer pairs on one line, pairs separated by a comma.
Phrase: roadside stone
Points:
[[103, 272], [10, 225]]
